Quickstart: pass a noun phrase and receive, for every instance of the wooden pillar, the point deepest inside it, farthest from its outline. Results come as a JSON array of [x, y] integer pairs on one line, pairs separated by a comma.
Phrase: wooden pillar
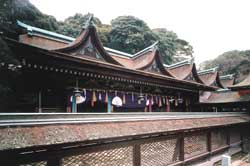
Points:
[[228, 135], [109, 105], [68, 107], [40, 101], [74, 106], [182, 152], [54, 162], [209, 141]]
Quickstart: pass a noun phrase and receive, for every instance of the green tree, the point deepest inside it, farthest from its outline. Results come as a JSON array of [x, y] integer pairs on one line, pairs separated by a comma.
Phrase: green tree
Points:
[[72, 26], [167, 43], [184, 47], [130, 34], [12, 10], [7, 75]]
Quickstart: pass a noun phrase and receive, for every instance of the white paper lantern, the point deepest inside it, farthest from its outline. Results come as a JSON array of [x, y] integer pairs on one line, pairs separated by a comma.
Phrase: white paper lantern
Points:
[[79, 99], [117, 101]]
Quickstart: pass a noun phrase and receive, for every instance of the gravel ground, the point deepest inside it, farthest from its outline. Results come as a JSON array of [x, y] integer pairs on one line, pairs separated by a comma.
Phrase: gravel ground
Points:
[[239, 159]]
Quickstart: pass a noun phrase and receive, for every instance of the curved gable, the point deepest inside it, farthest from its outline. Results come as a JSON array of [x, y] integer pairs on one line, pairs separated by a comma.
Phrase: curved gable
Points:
[[154, 65], [88, 44], [227, 82], [211, 78], [243, 85], [182, 72], [195, 74]]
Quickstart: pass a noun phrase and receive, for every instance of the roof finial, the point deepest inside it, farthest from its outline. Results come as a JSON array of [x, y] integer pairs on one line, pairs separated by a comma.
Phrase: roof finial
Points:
[[89, 22], [192, 59]]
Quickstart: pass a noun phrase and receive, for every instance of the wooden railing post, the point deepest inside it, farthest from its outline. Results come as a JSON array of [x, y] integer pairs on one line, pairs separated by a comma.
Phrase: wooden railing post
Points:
[[209, 141], [136, 155], [228, 135], [182, 153], [54, 162], [241, 136]]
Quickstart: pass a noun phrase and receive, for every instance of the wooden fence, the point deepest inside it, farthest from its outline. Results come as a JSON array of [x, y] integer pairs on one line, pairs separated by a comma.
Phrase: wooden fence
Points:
[[170, 148]]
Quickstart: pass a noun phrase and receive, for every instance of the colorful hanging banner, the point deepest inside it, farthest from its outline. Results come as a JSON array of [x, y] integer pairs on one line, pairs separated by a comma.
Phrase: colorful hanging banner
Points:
[[132, 96], [99, 96], [93, 99], [106, 97], [176, 101], [123, 99], [159, 104]]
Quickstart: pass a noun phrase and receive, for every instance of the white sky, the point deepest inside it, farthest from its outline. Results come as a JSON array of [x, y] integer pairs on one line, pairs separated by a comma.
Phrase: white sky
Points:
[[211, 26]]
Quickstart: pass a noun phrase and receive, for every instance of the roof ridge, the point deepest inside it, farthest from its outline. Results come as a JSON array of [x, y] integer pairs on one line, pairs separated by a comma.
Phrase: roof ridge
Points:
[[206, 71], [124, 54], [228, 76], [32, 29], [181, 63], [149, 48]]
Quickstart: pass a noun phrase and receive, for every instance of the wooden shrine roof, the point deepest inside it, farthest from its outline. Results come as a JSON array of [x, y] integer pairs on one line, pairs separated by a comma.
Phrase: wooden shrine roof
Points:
[[39, 55], [86, 40], [225, 96], [211, 77], [227, 80], [146, 62], [243, 85], [185, 70]]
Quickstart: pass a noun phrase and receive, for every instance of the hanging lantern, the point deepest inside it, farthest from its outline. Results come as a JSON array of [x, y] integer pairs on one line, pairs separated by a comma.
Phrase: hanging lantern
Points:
[[140, 97], [79, 98], [180, 100], [117, 101]]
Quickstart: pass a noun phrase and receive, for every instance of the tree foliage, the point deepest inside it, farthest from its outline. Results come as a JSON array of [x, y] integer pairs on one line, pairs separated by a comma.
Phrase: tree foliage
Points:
[[167, 43], [126, 33], [130, 34], [73, 25], [7, 76], [12, 10]]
